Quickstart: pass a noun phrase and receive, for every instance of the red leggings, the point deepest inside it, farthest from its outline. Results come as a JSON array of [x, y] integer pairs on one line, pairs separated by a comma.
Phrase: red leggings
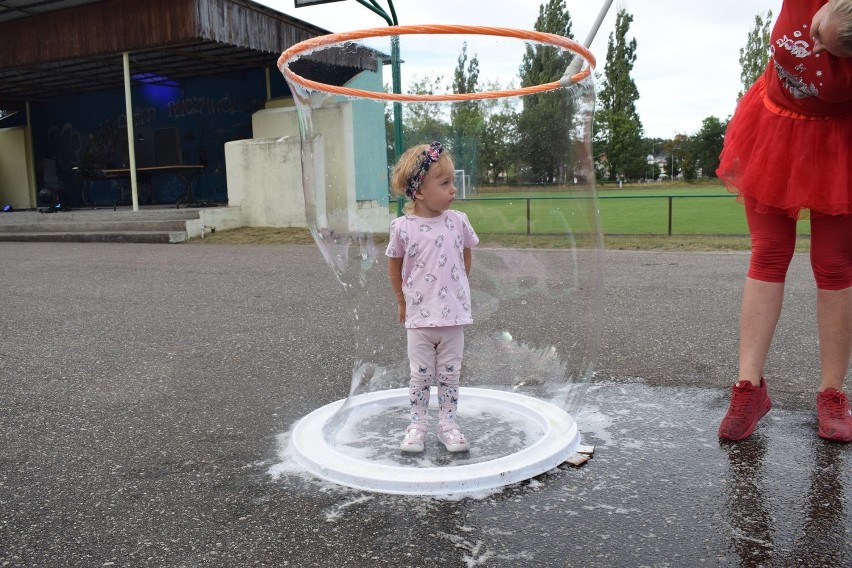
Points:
[[773, 240]]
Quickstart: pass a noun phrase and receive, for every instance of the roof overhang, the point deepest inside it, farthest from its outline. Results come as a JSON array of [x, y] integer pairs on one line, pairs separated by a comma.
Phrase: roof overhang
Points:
[[54, 48]]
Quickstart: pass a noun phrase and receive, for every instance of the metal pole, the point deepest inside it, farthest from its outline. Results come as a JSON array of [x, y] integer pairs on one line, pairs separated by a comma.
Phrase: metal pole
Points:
[[670, 215], [131, 143], [31, 171], [398, 144], [396, 80], [577, 61], [372, 5], [268, 85]]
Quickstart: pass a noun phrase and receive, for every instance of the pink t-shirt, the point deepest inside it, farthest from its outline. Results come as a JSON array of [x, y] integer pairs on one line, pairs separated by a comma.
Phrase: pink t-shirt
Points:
[[434, 281]]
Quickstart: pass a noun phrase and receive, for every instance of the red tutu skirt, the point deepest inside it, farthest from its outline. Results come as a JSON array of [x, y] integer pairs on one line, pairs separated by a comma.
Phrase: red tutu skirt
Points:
[[787, 160]]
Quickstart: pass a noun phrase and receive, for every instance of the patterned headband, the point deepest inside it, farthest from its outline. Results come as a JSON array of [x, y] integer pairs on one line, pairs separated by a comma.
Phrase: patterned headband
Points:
[[428, 157]]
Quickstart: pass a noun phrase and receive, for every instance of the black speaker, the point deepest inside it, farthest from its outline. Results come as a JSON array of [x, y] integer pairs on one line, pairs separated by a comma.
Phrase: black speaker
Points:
[[146, 144], [167, 143], [145, 148]]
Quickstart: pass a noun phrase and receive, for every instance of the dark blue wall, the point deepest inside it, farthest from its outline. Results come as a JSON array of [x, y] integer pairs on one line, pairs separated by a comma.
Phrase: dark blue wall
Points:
[[87, 131], [18, 118]]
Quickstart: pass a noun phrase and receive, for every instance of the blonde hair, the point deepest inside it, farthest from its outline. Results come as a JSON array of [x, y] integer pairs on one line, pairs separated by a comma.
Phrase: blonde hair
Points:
[[843, 10], [408, 166]]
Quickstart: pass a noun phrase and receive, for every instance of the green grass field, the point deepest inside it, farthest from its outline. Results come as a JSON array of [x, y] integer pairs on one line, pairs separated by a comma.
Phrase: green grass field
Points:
[[633, 218], [702, 210]]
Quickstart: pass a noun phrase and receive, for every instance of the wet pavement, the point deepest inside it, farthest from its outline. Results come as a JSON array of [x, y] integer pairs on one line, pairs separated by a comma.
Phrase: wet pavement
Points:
[[146, 392]]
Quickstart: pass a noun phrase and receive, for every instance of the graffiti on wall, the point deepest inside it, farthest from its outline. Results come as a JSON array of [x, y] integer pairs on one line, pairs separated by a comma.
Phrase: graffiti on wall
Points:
[[88, 131], [64, 145], [189, 106]]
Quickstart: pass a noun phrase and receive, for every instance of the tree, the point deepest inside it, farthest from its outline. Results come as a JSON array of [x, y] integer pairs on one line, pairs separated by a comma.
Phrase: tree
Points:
[[618, 130], [466, 117], [498, 141], [684, 152], [420, 125], [707, 145], [545, 121], [681, 156], [755, 55]]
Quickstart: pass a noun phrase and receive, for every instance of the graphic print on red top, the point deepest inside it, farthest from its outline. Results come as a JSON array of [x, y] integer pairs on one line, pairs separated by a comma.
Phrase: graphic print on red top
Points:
[[789, 144], [817, 84]]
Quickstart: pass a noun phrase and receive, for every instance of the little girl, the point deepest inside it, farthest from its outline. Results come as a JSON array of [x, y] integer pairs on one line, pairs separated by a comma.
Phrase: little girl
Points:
[[428, 263]]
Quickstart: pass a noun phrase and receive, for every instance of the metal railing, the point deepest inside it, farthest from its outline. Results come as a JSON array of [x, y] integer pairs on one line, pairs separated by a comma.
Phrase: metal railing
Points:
[[530, 213], [669, 198]]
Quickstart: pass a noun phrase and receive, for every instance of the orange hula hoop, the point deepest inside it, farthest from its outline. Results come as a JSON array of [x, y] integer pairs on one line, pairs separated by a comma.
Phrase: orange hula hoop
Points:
[[331, 39]]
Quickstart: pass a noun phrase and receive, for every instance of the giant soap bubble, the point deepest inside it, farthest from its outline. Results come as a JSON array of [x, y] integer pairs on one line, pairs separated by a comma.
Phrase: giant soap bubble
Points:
[[525, 178]]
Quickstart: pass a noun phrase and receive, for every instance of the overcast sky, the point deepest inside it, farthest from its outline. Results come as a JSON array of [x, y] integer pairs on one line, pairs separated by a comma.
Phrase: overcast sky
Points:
[[687, 65]]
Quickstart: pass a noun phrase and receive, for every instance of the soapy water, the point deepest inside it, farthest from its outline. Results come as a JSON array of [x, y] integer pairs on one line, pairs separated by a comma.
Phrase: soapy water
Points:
[[375, 436], [535, 281], [518, 437], [615, 422]]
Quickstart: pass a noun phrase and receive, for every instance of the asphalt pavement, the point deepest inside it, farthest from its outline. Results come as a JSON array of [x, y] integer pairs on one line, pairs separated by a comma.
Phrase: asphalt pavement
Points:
[[146, 392]]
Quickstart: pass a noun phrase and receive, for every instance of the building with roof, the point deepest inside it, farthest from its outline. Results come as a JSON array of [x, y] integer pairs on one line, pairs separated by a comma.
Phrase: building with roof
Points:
[[190, 73]]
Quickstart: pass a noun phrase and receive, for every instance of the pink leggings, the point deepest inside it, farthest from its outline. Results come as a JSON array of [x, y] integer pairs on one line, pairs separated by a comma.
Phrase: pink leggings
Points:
[[773, 241], [435, 353]]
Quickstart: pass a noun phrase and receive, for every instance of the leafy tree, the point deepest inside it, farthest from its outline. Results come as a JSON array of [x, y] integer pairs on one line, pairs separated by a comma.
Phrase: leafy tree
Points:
[[466, 76], [466, 117], [545, 121], [755, 55], [685, 152], [707, 145], [618, 130], [498, 140], [681, 160], [420, 123]]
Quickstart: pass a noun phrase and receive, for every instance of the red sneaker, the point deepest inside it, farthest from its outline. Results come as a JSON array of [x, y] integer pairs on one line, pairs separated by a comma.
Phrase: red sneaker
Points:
[[835, 419], [748, 405]]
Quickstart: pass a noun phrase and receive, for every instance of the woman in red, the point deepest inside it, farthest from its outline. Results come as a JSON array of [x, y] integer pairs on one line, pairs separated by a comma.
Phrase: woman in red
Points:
[[788, 155]]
